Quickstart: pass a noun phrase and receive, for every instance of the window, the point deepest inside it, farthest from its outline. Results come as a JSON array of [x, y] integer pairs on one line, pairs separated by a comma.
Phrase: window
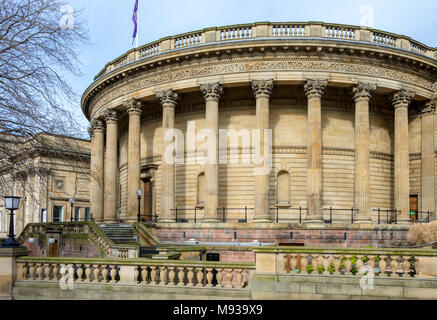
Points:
[[283, 188], [58, 212], [77, 214], [201, 189], [87, 214]]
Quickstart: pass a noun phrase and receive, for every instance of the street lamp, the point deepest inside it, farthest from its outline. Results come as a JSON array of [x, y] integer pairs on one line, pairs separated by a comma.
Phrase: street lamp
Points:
[[11, 203], [72, 204], [139, 194]]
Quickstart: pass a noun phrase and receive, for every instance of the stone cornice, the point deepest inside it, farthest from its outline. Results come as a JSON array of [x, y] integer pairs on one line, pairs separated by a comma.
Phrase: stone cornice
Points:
[[211, 91], [402, 98], [315, 88], [363, 91], [168, 98], [262, 88]]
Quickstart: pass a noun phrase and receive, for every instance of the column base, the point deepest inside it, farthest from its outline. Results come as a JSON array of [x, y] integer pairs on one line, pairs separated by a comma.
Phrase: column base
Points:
[[314, 223]]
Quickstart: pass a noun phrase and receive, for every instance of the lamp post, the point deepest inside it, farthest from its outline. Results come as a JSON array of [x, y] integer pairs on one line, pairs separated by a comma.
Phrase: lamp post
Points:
[[139, 194], [71, 204], [11, 203]]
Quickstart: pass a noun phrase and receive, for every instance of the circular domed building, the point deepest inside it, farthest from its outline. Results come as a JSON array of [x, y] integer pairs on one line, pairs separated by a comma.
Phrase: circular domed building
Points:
[[343, 118]]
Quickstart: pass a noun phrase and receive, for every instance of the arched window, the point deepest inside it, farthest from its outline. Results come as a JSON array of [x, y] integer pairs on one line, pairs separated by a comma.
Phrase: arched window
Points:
[[283, 192], [201, 189]]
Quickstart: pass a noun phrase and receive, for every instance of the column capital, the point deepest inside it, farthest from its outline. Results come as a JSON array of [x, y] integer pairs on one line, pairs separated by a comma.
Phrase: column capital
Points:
[[111, 116], [211, 91], [402, 98], [97, 125], [315, 88], [363, 91], [262, 88], [91, 132], [168, 98], [429, 107], [133, 107]]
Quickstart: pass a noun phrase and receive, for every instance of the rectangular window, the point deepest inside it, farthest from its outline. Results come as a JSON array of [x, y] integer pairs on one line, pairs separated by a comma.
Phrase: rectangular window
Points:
[[58, 213], [77, 214], [87, 214]]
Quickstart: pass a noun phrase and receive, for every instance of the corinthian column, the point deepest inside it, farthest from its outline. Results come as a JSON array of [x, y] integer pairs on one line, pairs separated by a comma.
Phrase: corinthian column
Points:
[[168, 101], [314, 90], [428, 154], [362, 94], [401, 100], [134, 109], [111, 166], [212, 92], [97, 154], [262, 90]]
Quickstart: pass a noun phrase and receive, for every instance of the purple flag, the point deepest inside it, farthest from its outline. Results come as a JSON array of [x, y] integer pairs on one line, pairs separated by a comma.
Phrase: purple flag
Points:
[[135, 19]]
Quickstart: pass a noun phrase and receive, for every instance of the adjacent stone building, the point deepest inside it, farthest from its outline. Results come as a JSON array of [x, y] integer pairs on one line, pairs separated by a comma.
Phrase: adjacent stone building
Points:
[[351, 109]]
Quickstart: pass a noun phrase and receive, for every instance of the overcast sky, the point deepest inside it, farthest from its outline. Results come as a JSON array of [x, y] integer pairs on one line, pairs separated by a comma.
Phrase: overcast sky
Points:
[[111, 27]]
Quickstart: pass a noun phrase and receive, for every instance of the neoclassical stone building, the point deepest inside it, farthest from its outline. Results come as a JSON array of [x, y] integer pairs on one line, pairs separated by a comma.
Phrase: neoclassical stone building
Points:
[[351, 109]]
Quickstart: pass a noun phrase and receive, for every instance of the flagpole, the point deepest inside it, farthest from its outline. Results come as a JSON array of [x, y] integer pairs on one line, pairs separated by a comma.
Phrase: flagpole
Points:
[[138, 23]]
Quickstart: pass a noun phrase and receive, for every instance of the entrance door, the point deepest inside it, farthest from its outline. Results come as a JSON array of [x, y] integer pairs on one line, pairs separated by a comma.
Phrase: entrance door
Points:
[[414, 207], [148, 200], [53, 249]]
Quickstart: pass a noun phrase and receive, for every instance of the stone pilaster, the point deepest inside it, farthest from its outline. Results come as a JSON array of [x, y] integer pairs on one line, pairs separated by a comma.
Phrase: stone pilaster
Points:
[[314, 90], [168, 101], [134, 109], [97, 168], [362, 94], [428, 156], [212, 92], [262, 90], [401, 100], [111, 166]]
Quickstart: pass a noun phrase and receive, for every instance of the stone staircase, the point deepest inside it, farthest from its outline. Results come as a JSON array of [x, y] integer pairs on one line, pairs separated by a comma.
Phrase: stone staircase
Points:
[[120, 233]]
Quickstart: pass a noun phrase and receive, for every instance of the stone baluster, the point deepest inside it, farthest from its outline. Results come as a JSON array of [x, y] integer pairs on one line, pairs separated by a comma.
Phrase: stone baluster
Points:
[[153, 274], [337, 264], [71, 271], [209, 277], [401, 100], [171, 276], [348, 265], [96, 271], [134, 110], [63, 271], [190, 276], [327, 260], [181, 276], [25, 270], [168, 101], [113, 273], [162, 276], [211, 93], [219, 277], [111, 166], [47, 271], [55, 272], [97, 171], [359, 263], [314, 90], [382, 265], [293, 263], [394, 266], [39, 271], [304, 264], [79, 273], [371, 263], [144, 271], [315, 262], [229, 276], [199, 277], [362, 94], [239, 278], [105, 272], [87, 273], [262, 90]]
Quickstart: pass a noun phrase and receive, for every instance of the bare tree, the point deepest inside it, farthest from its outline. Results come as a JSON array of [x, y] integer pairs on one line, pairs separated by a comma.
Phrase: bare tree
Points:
[[39, 43]]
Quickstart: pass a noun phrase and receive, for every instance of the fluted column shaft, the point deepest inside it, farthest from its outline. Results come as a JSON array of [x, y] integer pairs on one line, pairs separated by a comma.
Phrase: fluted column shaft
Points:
[[168, 101], [401, 101], [314, 90], [97, 170], [428, 155], [111, 166], [212, 93], [262, 90], [134, 109], [362, 94]]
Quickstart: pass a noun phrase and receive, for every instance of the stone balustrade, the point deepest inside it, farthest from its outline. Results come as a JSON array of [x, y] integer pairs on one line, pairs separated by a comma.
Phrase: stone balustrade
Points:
[[139, 271], [310, 30]]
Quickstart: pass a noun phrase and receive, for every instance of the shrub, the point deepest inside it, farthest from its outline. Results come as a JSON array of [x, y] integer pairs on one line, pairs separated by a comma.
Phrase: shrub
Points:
[[423, 233]]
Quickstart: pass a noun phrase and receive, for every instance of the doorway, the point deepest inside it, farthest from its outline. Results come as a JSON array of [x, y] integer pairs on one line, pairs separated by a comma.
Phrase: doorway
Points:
[[414, 208], [53, 249], [148, 200]]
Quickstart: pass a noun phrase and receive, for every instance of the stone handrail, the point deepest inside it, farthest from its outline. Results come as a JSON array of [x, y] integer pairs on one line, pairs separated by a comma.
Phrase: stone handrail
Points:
[[270, 30], [136, 271], [89, 228], [392, 263]]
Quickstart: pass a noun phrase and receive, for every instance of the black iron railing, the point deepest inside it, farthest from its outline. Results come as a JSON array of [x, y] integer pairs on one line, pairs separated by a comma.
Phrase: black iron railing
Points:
[[241, 212], [148, 218], [281, 211], [391, 215], [178, 212]]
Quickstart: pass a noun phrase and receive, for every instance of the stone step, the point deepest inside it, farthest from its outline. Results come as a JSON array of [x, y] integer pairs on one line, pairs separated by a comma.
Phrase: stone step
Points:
[[120, 234]]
